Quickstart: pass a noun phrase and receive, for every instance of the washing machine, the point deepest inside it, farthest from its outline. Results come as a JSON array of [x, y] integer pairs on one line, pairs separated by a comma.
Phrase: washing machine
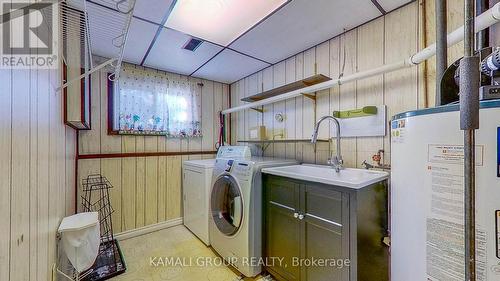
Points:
[[236, 211]]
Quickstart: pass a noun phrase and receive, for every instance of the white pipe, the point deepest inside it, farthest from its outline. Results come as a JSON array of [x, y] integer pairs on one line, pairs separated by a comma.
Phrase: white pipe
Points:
[[483, 21], [102, 65]]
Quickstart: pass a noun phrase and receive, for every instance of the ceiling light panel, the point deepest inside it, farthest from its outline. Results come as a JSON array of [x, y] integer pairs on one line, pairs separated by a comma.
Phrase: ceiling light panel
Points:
[[219, 21]]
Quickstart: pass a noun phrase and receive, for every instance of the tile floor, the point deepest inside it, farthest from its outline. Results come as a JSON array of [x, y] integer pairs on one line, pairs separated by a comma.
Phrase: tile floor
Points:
[[172, 242]]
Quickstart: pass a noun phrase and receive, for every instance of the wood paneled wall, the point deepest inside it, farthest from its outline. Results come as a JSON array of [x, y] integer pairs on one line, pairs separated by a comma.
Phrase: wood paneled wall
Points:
[[37, 172], [385, 40], [428, 37], [147, 190]]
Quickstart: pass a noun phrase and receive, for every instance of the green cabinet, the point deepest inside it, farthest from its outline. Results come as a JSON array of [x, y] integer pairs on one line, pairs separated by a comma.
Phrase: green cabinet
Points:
[[311, 231]]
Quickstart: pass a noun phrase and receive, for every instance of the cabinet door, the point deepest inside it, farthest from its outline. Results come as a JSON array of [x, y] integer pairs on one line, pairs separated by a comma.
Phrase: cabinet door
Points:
[[325, 226], [282, 228]]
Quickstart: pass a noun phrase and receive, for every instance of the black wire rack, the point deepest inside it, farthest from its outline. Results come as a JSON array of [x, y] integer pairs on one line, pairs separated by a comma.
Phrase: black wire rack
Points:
[[96, 198]]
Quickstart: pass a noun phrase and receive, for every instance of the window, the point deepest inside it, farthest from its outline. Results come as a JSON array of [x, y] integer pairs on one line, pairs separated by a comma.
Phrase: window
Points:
[[147, 102]]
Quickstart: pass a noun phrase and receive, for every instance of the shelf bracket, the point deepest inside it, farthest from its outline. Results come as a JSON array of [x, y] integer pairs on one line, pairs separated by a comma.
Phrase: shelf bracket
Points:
[[310, 96], [261, 110]]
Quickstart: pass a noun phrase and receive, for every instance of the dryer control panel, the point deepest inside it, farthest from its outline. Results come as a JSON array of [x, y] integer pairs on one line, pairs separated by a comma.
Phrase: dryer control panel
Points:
[[242, 170], [234, 152]]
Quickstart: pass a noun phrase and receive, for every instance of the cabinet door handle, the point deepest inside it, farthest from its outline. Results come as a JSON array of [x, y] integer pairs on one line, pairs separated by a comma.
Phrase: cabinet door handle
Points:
[[295, 215], [301, 217]]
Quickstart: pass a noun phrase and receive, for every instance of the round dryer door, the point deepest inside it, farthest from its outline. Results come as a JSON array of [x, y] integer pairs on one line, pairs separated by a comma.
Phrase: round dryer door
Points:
[[227, 205]]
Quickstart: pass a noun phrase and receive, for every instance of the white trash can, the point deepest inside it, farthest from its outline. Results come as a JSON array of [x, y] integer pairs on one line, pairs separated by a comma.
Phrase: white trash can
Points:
[[80, 236]]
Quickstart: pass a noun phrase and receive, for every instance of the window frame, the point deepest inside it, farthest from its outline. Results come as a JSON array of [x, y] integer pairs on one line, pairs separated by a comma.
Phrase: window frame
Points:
[[111, 107], [111, 114]]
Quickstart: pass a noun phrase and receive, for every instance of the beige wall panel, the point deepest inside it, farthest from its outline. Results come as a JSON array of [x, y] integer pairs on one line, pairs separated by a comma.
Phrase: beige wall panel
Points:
[[241, 115], [129, 198], [33, 175], [308, 105], [90, 141], [174, 191], [334, 73], [348, 47], [151, 143], [20, 179], [43, 174], [5, 168], [128, 178], [308, 108], [217, 107], [36, 169], [234, 116], [400, 42], [151, 191], [112, 169], [323, 97], [140, 183], [299, 107], [109, 143], [268, 115], [70, 170], [162, 188], [207, 113], [290, 109], [454, 20], [252, 87], [225, 104], [279, 79], [370, 91]]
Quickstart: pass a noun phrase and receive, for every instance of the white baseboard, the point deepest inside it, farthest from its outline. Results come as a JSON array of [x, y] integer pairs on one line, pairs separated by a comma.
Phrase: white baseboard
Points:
[[148, 229]]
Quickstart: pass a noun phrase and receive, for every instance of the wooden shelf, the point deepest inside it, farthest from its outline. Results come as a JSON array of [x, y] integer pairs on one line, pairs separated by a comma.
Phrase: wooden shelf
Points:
[[313, 80]]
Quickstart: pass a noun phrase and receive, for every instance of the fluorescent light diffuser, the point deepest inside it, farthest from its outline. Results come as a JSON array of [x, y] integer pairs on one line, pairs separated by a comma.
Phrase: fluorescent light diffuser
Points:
[[219, 21]]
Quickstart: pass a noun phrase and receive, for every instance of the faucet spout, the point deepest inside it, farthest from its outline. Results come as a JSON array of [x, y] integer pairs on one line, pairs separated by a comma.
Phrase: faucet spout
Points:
[[336, 162]]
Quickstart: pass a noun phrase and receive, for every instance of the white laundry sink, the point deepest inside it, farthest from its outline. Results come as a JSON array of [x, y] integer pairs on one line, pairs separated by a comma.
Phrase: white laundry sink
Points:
[[351, 178]]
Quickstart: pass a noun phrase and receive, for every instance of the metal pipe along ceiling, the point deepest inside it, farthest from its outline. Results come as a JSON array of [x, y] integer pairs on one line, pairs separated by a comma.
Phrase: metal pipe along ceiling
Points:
[[441, 48], [483, 21]]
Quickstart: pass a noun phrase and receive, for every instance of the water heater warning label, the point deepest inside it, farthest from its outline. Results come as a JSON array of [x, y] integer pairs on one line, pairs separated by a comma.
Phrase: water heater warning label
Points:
[[452, 154]]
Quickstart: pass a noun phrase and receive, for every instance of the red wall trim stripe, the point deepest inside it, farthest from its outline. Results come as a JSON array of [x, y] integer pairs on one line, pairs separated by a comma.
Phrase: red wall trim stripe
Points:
[[143, 154]]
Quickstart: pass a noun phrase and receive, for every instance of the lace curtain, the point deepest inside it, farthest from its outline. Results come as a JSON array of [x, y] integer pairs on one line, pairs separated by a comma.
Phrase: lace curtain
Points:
[[150, 102]]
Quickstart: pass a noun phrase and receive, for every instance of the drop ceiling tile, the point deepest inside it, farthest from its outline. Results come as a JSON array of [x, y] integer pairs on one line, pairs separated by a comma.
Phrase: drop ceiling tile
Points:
[[390, 5], [300, 25], [102, 38], [153, 10], [167, 53], [229, 66], [140, 35]]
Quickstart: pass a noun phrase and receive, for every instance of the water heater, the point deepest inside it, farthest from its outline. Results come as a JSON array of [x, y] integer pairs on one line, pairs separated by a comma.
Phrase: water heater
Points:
[[427, 195]]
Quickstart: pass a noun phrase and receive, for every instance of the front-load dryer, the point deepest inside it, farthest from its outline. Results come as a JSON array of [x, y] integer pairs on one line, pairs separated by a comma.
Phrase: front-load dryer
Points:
[[236, 211]]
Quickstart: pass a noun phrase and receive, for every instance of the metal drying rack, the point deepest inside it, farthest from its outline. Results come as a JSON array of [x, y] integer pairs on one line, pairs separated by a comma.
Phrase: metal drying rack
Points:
[[97, 22]]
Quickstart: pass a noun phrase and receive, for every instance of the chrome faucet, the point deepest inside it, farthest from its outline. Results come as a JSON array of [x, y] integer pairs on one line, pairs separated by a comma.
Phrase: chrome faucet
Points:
[[335, 161]]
